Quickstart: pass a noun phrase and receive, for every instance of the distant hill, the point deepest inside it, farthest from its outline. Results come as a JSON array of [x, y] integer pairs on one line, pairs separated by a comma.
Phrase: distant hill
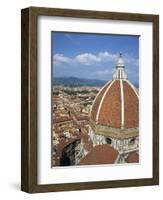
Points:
[[77, 82]]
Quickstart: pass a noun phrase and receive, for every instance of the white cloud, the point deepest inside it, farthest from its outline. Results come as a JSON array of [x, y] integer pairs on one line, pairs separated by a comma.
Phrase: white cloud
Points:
[[60, 58], [131, 60], [107, 56], [104, 72], [87, 59], [90, 59]]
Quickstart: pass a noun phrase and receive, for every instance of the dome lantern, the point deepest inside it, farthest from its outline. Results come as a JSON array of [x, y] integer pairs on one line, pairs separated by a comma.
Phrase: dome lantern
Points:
[[120, 69]]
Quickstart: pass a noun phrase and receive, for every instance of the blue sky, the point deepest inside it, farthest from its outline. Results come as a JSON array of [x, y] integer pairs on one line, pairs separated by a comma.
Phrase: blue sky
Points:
[[93, 56]]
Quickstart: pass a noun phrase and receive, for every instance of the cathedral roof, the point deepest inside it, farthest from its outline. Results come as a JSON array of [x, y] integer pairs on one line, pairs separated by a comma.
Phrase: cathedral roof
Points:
[[133, 157], [117, 103], [100, 154]]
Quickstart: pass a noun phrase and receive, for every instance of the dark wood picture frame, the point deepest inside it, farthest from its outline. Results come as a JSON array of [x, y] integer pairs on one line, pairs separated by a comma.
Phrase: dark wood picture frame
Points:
[[29, 133]]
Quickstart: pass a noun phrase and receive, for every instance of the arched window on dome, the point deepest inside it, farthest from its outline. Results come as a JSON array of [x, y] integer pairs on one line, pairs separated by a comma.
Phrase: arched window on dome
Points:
[[132, 141], [108, 140]]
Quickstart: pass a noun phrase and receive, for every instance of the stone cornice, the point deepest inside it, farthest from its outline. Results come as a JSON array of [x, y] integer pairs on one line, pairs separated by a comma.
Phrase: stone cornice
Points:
[[114, 132]]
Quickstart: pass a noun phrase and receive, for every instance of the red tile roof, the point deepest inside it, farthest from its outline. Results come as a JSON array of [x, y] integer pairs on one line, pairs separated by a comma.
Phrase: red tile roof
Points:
[[101, 154], [62, 119], [97, 101], [133, 157], [131, 107], [62, 144], [80, 118], [110, 112], [108, 106]]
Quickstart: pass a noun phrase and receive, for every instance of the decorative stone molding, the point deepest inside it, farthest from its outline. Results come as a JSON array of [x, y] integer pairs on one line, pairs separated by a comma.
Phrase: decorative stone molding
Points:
[[108, 131]]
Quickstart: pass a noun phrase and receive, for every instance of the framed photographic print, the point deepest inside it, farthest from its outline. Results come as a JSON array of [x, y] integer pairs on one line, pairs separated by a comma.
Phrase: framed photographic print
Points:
[[90, 100]]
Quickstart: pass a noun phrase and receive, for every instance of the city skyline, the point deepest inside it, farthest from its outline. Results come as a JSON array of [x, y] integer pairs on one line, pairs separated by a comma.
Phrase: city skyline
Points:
[[93, 56]]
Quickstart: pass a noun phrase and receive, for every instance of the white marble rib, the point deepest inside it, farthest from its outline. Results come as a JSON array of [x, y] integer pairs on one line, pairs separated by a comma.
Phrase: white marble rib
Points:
[[97, 116]]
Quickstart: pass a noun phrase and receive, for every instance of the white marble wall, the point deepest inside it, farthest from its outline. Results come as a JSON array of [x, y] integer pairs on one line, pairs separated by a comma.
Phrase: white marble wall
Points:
[[96, 139], [120, 145], [80, 152]]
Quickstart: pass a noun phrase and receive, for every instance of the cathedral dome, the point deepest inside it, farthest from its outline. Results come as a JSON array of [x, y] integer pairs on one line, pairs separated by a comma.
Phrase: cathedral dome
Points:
[[117, 103]]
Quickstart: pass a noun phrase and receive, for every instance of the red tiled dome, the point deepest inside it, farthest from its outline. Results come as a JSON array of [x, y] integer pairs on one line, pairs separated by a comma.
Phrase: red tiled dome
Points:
[[116, 105]]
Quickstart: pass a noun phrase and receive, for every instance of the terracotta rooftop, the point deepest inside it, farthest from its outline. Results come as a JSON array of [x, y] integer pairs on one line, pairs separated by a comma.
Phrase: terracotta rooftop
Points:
[[62, 119], [117, 105], [62, 144], [101, 154], [133, 157], [79, 118]]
